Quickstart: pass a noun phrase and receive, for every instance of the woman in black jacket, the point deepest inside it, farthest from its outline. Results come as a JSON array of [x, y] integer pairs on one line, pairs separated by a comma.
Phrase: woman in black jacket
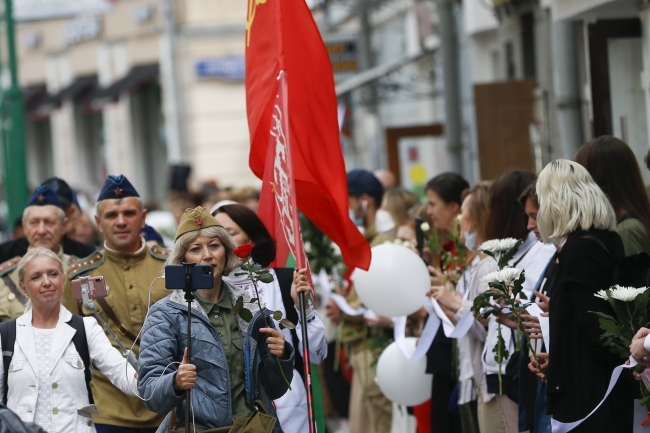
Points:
[[575, 213]]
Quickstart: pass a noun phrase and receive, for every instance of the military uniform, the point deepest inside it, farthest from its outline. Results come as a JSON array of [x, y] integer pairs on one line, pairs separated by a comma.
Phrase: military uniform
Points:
[[12, 298], [129, 277]]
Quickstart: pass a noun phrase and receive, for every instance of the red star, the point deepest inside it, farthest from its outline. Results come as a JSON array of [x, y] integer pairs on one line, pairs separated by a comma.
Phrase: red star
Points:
[[119, 192], [41, 199], [199, 223]]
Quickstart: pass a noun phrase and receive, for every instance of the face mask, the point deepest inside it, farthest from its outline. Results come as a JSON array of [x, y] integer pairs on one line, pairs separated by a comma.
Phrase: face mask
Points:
[[384, 222], [360, 221], [470, 240]]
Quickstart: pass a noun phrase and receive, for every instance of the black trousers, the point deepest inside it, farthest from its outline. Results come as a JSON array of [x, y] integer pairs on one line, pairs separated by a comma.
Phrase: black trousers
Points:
[[442, 419]]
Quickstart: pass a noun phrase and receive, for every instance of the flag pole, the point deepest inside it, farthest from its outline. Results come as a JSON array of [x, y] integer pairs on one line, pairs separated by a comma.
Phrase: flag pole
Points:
[[299, 255], [307, 364]]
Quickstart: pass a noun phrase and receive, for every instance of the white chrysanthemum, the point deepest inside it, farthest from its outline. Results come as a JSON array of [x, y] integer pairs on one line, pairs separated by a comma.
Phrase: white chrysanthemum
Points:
[[498, 245], [425, 227], [602, 294], [407, 244], [626, 294], [398, 242], [505, 275]]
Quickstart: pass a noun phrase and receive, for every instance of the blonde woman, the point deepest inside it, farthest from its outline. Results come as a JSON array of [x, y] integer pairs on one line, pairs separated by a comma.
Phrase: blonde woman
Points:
[[46, 379], [574, 212], [233, 362]]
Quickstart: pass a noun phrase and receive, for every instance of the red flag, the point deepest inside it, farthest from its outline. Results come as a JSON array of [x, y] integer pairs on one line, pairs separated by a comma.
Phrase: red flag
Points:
[[282, 36]]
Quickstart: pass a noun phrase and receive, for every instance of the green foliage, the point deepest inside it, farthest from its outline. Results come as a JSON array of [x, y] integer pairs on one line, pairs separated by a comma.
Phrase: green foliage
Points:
[[266, 278], [620, 328], [246, 315], [319, 248], [277, 315], [286, 324]]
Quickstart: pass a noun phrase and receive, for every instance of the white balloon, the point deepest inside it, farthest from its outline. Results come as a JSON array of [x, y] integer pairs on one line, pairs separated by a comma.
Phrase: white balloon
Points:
[[402, 380], [396, 282]]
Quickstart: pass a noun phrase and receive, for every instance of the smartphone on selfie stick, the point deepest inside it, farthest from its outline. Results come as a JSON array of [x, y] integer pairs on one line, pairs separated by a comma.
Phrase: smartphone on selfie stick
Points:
[[87, 289], [189, 277]]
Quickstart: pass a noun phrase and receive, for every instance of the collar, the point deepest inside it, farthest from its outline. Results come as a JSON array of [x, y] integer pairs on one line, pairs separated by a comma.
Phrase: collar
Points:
[[26, 319], [117, 256], [222, 302], [529, 242]]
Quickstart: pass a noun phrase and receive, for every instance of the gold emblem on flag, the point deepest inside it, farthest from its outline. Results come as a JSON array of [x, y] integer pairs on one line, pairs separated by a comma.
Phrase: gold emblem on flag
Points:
[[252, 8]]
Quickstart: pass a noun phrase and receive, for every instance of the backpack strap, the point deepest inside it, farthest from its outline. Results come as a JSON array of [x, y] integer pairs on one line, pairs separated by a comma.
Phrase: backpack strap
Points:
[[8, 336], [285, 279], [80, 342]]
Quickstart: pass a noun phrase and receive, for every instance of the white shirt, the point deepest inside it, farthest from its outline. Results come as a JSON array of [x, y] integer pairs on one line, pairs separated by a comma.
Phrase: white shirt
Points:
[[291, 408], [532, 257], [63, 378]]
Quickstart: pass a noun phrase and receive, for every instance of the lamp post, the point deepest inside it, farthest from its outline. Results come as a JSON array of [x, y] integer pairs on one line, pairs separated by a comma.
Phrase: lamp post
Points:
[[13, 129]]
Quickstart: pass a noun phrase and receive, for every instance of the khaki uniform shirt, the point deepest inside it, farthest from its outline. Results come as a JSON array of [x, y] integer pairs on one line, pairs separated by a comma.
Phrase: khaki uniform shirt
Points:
[[11, 303], [128, 277], [225, 325]]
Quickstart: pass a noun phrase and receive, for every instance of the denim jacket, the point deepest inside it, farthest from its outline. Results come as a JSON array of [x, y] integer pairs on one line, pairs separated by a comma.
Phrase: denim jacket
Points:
[[164, 340]]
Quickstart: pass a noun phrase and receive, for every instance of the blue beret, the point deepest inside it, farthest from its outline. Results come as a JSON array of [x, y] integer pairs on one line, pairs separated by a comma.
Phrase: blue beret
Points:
[[364, 182], [44, 195], [117, 187], [150, 234]]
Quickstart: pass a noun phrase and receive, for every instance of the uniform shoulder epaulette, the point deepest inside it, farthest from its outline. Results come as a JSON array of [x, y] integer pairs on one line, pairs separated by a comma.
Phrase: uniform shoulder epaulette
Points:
[[86, 264], [9, 265], [159, 252]]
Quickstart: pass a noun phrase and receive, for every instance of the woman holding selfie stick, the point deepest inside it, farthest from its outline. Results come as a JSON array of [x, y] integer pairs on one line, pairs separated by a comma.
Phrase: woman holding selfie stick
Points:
[[44, 375], [228, 353]]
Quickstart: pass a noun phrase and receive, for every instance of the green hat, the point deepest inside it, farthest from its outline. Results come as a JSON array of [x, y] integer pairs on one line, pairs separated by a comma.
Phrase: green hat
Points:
[[195, 219]]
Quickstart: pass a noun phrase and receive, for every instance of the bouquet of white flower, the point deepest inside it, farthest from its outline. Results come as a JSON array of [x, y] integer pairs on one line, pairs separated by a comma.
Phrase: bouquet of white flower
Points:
[[630, 305], [506, 286]]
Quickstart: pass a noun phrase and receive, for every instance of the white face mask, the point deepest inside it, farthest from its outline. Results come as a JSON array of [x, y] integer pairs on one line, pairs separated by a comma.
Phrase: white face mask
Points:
[[470, 240], [384, 222]]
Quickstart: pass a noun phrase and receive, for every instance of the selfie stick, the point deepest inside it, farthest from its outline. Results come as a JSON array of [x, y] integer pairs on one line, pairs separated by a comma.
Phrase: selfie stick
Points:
[[189, 297], [90, 306]]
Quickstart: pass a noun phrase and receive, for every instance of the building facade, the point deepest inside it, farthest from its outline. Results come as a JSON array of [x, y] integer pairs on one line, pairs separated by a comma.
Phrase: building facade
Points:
[[134, 87]]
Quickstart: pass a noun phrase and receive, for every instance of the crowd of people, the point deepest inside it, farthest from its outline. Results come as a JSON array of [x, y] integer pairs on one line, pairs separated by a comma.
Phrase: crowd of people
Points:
[[562, 217], [576, 222]]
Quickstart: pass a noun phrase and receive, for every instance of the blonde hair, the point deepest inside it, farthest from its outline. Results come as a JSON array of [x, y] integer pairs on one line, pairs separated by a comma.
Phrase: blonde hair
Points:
[[477, 209], [177, 254], [569, 199], [31, 254], [398, 204]]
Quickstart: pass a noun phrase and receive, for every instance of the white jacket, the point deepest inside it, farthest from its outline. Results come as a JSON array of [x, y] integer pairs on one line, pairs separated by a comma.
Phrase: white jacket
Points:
[[71, 409], [292, 406]]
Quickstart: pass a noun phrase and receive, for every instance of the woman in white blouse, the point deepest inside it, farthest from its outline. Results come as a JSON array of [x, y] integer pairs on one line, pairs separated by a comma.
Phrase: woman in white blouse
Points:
[[46, 380], [245, 226]]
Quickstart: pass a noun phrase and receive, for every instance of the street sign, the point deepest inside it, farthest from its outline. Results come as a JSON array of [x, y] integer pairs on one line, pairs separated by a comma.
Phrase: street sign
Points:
[[27, 10], [227, 68], [343, 54]]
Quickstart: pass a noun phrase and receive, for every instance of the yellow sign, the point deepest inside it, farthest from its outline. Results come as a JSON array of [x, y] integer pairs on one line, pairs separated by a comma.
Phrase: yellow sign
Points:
[[418, 174], [252, 8]]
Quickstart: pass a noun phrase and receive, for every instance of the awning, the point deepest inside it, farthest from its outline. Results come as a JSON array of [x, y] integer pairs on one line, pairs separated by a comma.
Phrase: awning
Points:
[[136, 78], [79, 89], [372, 74], [33, 94]]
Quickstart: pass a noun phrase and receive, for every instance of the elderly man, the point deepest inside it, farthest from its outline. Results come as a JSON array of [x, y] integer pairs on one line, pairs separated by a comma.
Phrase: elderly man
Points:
[[129, 267], [44, 223], [68, 202]]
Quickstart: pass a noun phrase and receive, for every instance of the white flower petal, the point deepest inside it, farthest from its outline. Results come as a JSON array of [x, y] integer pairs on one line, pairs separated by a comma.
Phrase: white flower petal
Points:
[[602, 294], [425, 227], [505, 275], [498, 245]]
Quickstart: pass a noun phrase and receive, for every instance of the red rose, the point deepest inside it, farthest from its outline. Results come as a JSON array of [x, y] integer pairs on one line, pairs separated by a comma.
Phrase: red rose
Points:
[[244, 251]]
